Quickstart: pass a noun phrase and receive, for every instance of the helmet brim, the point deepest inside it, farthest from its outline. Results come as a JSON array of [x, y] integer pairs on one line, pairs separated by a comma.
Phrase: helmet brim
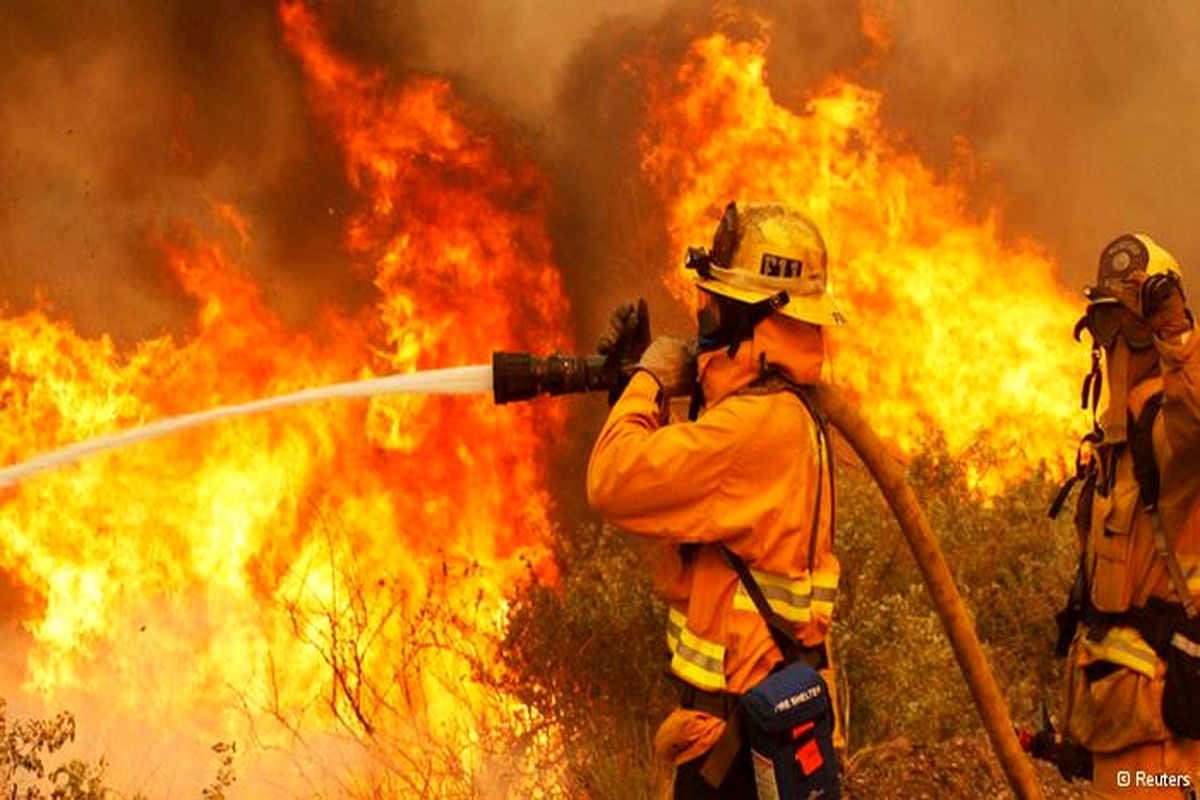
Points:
[[815, 309]]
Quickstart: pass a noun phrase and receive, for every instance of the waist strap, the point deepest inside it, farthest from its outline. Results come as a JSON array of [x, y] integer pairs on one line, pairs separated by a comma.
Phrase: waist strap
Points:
[[719, 704]]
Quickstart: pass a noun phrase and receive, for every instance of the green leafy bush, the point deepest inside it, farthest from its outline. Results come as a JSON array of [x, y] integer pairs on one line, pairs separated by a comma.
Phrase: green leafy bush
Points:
[[28, 749]]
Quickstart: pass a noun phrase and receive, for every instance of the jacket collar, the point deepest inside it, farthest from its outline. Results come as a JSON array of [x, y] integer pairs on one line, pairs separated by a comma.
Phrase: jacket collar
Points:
[[793, 348]]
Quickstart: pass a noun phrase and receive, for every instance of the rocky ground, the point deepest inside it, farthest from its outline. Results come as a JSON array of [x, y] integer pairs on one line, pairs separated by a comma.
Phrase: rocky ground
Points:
[[958, 768]]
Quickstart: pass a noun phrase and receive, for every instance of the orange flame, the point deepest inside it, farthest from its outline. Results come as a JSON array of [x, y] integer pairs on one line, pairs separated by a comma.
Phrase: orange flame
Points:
[[952, 330], [321, 573]]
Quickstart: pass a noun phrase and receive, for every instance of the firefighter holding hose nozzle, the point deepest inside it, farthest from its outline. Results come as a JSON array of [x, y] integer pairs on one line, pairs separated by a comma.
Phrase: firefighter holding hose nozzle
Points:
[[738, 503], [1131, 631]]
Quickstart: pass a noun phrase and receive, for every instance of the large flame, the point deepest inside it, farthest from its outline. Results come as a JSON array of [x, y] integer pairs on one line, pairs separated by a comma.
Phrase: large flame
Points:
[[329, 577], [320, 575], [952, 330]]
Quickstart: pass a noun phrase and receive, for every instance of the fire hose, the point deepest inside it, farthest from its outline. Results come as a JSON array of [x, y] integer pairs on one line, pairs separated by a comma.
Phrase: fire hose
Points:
[[519, 376], [942, 590]]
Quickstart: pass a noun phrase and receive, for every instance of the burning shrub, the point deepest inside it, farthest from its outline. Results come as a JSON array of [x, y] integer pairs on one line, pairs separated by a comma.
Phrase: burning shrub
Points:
[[588, 654], [25, 746]]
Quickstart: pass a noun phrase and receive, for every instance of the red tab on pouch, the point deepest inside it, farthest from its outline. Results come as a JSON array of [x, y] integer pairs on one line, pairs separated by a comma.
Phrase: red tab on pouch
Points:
[[800, 730], [809, 757]]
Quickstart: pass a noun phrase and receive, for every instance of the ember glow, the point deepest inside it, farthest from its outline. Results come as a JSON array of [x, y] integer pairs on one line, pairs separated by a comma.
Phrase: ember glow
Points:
[[320, 577], [953, 331]]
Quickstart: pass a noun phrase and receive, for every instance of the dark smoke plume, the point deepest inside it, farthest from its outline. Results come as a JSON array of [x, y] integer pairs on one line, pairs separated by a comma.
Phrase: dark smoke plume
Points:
[[123, 118], [120, 120], [610, 231], [1085, 114]]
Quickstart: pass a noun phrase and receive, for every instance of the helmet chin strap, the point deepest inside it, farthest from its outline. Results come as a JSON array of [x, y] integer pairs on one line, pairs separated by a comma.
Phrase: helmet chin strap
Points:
[[1116, 416]]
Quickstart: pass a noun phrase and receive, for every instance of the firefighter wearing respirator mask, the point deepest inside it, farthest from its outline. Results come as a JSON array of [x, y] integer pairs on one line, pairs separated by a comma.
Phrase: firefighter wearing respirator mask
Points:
[[1131, 632]]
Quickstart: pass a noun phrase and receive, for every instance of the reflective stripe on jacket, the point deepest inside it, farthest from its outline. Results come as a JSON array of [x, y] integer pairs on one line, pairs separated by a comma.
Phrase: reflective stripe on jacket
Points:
[[795, 599]]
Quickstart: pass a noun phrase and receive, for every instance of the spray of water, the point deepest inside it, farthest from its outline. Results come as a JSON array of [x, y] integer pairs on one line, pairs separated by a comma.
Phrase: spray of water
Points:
[[458, 380]]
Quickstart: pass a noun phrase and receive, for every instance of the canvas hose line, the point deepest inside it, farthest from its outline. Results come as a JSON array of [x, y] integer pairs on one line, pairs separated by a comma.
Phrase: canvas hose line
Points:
[[889, 476]]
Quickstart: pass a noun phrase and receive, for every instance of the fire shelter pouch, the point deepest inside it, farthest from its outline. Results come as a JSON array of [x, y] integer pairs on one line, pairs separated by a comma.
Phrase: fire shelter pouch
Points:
[[789, 724]]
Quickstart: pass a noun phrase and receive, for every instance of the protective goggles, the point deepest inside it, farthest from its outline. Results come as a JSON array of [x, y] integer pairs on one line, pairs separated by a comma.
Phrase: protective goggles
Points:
[[1105, 321]]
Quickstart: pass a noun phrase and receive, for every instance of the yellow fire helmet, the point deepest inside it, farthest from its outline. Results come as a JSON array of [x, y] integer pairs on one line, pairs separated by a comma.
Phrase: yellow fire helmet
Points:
[[762, 249], [1124, 256]]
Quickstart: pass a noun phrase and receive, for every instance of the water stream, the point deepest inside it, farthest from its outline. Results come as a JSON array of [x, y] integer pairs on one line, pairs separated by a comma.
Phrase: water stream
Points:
[[457, 380]]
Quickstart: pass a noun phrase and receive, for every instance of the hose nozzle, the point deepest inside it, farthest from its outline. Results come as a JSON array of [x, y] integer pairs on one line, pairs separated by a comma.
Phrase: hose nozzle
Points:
[[521, 376]]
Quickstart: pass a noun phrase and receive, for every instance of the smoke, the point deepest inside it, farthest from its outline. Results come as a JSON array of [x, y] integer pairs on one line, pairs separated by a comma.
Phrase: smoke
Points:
[[1079, 121], [1083, 116], [122, 120], [609, 230]]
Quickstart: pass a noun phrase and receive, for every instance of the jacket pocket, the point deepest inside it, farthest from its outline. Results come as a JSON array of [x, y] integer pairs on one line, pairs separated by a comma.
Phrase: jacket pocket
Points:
[[1110, 709], [1112, 544]]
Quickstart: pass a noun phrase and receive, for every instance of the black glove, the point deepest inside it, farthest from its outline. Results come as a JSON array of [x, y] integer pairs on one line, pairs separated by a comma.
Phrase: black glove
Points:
[[627, 334], [1163, 305], [623, 341]]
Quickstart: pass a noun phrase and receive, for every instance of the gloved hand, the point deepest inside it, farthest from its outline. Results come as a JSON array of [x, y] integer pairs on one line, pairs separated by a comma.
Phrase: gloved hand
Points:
[[1164, 306], [627, 334], [672, 362], [1158, 299], [622, 343]]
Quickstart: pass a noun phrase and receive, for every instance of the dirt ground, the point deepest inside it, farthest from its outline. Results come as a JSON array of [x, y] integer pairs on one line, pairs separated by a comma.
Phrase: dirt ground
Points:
[[958, 768]]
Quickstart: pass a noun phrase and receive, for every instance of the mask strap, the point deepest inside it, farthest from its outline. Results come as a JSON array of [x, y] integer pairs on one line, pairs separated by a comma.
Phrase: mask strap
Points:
[[697, 402], [1080, 327]]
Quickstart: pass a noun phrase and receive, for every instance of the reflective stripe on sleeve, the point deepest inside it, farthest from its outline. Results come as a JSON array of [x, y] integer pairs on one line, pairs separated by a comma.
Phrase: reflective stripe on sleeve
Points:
[[825, 586], [696, 660], [1181, 642], [676, 619]]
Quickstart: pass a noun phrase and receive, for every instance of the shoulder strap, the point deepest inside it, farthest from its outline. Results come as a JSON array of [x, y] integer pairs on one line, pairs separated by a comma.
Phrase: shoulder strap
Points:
[[1141, 447], [824, 462], [1085, 470], [1145, 469], [780, 628], [772, 380]]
